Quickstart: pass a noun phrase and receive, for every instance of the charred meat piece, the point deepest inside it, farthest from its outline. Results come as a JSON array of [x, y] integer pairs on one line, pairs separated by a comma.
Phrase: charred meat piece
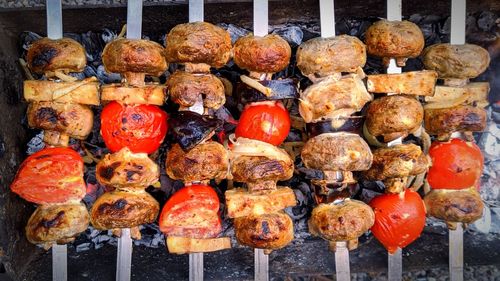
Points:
[[74, 120], [341, 222], [125, 169], [48, 55], [461, 118], [122, 209], [451, 205], [188, 128], [334, 99], [259, 164], [186, 89], [206, 161], [392, 117], [198, 43], [268, 54], [337, 152], [320, 57], [268, 231], [394, 39], [456, 61], [396, 162], [60, 223]]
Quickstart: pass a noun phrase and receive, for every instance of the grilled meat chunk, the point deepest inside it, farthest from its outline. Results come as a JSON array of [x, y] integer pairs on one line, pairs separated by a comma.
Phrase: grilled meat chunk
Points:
[[333, 99], [268, 54], [259, 164], [394, 39], [48, 55], [186, 89], [462, 118], [206, 161], [392, 117], [268, 231], [397, 161], [61, 223], [122, 209], [320, 57], [451, 205], [337, 152], [456, 61], [341, 222], [198, 43], [74, 120], [127, 170]]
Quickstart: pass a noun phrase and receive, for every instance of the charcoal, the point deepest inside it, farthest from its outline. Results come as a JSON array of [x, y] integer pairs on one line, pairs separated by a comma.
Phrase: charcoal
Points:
[[35, 144], [234, 31], [83, 247], [292, 34], [487, 21]]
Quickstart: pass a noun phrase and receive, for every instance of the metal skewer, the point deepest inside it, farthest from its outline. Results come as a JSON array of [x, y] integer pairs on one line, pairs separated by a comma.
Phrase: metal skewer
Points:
[[456, 237], [196, 266], [260, 28], [394, 260], [124, 254], [54, 31], [327, 23]]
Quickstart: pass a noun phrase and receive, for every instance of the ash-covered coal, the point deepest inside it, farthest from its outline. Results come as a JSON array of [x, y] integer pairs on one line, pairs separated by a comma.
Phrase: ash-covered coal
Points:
[[482, 30]]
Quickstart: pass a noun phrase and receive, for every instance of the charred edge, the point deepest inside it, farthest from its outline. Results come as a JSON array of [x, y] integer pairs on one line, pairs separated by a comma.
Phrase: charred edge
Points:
[[43, 57], [47, 114], [53, 222], [118, 205], [268, 168], [107, 172], [265, 228]]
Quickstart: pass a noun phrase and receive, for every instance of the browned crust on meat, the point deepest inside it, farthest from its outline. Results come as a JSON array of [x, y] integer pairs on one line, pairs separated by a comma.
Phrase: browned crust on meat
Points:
[[121, 209], [461, 118], [63, 54], [134, 55], [326, 56], [395, 39], [198, 42], [341, 222], [463, 205], [456, 61], [59, 223], [186, 88], [269, 231], [268, 54], [394, 116], [209, 160], [73, 119], [260, 168], [396, 162], [337, 152]]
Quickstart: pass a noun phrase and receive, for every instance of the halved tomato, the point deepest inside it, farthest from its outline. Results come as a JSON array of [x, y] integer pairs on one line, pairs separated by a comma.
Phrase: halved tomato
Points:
[[51, 175], [141, 128], [192, 212], [266, 121], [456, 164], [399, 219]]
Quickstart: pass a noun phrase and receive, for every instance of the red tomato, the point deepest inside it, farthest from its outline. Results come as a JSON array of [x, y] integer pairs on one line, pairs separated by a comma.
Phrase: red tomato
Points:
[[51, 175], [192, 212], [141, 128], [399, 219], [455, 164], [266, 121]]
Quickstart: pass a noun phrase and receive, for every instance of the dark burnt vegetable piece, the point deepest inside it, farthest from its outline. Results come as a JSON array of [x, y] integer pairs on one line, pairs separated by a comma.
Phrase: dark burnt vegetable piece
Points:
[[353, 124], [189, 128]]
